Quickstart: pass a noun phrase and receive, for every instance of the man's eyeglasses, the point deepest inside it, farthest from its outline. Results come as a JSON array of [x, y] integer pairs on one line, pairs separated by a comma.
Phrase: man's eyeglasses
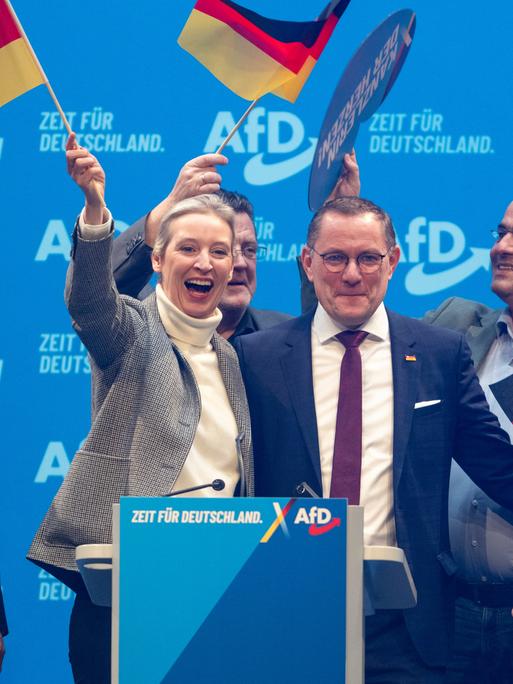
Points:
[[499, 233], [251, 252], [367, 262]]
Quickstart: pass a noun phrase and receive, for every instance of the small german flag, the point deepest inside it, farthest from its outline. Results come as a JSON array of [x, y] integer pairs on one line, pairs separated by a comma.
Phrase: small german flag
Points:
[[253, 55], [18, 69], [410, 357]]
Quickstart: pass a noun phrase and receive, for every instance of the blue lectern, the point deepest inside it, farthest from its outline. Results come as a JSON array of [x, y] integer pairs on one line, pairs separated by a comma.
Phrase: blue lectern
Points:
[[223, 591]]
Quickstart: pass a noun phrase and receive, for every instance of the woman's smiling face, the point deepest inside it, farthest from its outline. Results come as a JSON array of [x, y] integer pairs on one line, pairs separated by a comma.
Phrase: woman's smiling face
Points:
[[197, 262]]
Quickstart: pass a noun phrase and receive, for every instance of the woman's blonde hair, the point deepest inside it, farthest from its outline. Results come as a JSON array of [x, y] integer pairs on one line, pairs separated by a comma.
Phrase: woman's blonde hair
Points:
[[201, 204]]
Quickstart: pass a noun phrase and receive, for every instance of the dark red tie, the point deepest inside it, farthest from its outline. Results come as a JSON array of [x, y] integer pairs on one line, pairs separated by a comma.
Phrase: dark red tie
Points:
[[347, 452]]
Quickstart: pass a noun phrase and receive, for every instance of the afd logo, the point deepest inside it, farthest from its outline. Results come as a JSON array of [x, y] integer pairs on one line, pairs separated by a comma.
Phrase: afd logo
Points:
[[319, 519], [275, 140], [55, 463], [56, 240], [442, 244]]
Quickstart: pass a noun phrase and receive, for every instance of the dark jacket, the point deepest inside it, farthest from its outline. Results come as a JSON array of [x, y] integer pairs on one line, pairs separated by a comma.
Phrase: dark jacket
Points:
[[429, 363]]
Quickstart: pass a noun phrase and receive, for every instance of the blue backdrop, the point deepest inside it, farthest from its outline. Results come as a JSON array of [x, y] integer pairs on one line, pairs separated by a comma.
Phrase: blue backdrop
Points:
[[437, 155]]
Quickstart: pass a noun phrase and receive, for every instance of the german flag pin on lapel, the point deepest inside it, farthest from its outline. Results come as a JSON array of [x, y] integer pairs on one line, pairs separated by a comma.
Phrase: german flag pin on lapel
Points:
[[410, 357]]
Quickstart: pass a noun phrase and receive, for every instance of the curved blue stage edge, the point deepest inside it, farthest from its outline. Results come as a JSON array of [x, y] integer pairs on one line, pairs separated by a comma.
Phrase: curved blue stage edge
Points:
[[438, 156]]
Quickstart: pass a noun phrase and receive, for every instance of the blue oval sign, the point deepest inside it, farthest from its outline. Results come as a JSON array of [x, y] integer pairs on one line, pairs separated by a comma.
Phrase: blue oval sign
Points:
[[364, 85]]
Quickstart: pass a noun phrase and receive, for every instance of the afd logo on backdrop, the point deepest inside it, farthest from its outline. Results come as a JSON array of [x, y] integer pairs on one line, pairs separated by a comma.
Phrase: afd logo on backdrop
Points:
[[439, 256], [276, 143], [56, 239], [54, 463]]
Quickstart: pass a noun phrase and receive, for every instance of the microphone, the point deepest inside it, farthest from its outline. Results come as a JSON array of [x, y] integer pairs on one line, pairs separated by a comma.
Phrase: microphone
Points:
[[304, 488], [217, 486]]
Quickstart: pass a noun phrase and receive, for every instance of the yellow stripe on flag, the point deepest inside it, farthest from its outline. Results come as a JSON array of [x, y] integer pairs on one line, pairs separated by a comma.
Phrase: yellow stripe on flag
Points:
[[241, 66], [291, 89], [18, 71]]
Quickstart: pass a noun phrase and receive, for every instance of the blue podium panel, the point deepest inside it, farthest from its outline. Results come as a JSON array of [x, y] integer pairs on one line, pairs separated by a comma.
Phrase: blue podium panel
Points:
[[234, 590]]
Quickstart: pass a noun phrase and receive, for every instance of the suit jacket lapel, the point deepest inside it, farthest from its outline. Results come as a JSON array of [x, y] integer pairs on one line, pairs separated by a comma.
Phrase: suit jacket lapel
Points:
[[481, 335], [234, 388], [296, 363], [406, 365]]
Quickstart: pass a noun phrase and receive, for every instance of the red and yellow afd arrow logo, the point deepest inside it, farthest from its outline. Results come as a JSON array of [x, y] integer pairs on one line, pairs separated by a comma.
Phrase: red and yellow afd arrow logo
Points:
[[280, 520], [318, 519], [315, 530]]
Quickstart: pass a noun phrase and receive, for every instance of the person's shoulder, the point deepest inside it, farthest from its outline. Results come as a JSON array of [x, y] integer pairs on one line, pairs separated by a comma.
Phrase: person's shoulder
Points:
[[145, 307], [143, 311], [222, 346], [458, 313], [421, 330], [277, 333], [267, 318]]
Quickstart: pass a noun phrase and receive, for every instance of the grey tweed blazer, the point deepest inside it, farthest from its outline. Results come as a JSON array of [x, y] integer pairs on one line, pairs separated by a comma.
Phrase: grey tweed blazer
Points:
[[145, 410]]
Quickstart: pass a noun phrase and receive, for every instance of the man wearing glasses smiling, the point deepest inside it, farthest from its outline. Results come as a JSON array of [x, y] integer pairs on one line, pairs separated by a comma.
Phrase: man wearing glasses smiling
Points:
[[481, 531], [351, 284], [362, 403]]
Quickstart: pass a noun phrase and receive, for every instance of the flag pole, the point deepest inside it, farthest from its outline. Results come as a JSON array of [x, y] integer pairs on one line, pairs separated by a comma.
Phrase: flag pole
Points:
[[236, 127], [46, 81]]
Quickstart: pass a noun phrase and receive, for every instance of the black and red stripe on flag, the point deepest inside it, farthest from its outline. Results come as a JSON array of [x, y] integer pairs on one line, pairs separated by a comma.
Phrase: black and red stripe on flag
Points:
[[272, 34]]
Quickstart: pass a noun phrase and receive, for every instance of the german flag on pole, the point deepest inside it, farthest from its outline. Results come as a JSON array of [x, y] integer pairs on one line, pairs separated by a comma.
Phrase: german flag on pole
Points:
[[253, 55], [19, 71]]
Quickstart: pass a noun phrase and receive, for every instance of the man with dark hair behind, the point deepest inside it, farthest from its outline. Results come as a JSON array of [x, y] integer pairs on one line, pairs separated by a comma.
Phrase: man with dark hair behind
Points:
[[481, 530]]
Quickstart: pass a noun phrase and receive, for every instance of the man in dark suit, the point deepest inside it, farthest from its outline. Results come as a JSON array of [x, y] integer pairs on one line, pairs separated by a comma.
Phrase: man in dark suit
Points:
[[132, 250], [420, 405], [3, 629]]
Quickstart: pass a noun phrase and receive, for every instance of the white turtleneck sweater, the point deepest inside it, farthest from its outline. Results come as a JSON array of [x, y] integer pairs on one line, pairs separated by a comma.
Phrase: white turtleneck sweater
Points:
[[213, 452]]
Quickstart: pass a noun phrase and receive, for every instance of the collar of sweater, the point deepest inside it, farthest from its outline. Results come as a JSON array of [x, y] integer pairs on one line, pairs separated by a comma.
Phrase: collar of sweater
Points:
[[182, 327]]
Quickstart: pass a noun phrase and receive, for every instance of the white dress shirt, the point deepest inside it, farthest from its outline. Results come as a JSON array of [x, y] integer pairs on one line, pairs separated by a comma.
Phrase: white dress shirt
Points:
[[213, 452], [482, 531], [376, 490]]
